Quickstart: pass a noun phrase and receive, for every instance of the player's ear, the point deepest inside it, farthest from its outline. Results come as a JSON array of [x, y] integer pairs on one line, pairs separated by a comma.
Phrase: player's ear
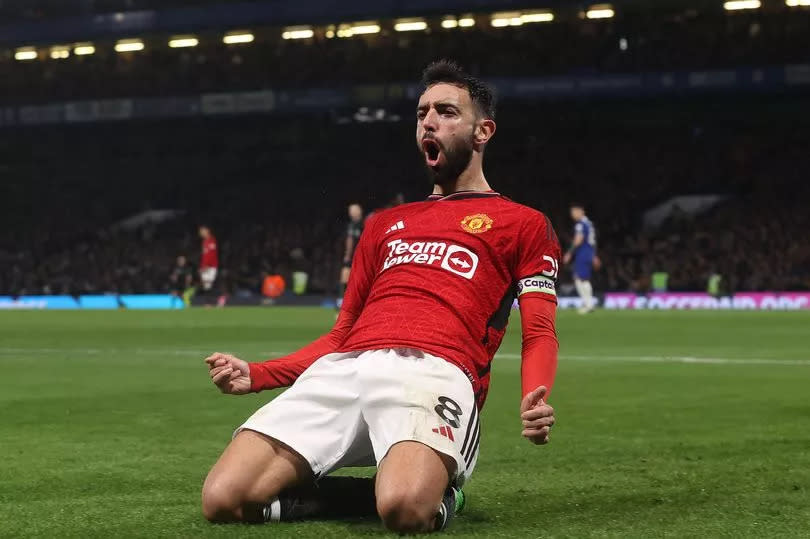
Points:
[[484, 129]]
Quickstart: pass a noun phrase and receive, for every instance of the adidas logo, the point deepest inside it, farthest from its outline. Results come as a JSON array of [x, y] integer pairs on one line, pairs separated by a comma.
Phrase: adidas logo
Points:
[[398, 226], [447, 432]]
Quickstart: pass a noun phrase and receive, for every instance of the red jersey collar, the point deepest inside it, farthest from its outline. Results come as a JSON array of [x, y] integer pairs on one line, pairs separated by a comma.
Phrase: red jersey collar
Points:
[[460, 195]]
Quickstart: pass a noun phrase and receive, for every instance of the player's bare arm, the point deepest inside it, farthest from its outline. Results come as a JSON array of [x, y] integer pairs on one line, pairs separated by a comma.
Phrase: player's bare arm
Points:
[[578, 239]]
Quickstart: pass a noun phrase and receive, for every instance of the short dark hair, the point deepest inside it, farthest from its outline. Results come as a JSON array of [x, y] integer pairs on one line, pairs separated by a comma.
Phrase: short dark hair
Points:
[[449, 72], [578, 205]]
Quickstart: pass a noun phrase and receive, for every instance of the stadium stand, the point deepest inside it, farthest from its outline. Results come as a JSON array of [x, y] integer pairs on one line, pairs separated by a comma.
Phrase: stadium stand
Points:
[[559, 48], [84, 179]]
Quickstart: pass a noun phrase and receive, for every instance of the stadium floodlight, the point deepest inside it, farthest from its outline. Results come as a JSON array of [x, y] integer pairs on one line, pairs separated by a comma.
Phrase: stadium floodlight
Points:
[[365, 28], [410, 25], [25, 53], [735, 5], [60, 52], [233, 38], [297, 32], [449, 22], [600, 11], [83, 49], [797, 3], [466, 21], [129, 45], [537, 16], [500, 20], [179, 42], [349, 30]]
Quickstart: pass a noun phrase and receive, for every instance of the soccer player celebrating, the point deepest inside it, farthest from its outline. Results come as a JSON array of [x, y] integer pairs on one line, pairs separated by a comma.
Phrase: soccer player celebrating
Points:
[[401, 378], [353, 232], [583, 255], [209, 259]]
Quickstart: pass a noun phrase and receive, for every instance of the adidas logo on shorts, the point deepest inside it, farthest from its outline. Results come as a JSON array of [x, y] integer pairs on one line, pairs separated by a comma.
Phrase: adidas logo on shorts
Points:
[[447, 432]]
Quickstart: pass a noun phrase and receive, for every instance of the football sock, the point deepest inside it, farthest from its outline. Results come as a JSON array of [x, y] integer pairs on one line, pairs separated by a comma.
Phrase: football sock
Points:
[[580, 291], [331, 498], [587, 295]]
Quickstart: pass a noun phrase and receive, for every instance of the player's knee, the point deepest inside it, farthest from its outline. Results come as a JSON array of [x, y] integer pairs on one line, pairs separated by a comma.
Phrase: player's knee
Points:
[[220, 503], [404, 512]]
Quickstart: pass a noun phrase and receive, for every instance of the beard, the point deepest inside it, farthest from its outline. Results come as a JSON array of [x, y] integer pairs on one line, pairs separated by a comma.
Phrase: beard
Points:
[[456, 160]]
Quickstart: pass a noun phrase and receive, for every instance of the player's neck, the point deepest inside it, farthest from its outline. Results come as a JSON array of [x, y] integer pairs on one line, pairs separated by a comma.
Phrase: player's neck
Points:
[[472, 179]]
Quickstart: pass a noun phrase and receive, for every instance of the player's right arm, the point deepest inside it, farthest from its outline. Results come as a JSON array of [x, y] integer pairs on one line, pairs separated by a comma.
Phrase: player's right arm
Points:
[[235, 376], [579, 239]]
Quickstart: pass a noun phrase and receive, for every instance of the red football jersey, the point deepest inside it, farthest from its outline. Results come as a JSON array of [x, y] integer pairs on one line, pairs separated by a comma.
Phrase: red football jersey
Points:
[[441, 276], [209, 257]]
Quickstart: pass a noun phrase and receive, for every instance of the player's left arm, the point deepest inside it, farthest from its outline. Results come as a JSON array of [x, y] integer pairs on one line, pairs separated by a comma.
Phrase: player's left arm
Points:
[[537, 268], [538, 366]]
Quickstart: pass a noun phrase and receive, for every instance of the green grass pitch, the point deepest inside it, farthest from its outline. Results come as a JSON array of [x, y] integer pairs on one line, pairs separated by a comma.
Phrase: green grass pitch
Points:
[[670, 424]]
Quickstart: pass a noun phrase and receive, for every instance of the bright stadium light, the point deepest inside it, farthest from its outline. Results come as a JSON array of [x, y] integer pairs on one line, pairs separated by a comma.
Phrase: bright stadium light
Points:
[[736, 5], [365, 28], [179, 42], [297, 32], [25, 53], [600, 11], [349, 30], [797, 3], [537, 16], [60, 52], [466, 21], [410, 25], [83, 49], [449, 22], [129, 45], [233, 38], [500, 20]]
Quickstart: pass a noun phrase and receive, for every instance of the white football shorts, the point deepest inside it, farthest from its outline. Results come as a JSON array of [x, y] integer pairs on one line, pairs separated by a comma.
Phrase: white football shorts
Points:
[[207, 277], [349, 409]]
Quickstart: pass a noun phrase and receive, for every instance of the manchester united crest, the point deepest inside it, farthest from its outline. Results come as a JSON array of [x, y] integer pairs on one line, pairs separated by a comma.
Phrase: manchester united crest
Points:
[[476, 224]]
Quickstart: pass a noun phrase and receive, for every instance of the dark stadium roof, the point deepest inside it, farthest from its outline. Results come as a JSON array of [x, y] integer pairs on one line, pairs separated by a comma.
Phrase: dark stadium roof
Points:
[[28, 22]]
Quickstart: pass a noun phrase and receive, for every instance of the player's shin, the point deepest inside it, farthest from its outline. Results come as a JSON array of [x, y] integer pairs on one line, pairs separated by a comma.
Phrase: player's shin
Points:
[[580, 291], [331, 498]]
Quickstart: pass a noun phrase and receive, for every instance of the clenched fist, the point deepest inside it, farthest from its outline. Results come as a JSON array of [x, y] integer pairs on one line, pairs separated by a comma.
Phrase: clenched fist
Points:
[[229, 373], [537, 416]]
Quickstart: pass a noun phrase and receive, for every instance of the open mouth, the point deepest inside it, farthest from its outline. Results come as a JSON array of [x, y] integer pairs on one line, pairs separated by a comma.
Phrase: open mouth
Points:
[[432, 151]]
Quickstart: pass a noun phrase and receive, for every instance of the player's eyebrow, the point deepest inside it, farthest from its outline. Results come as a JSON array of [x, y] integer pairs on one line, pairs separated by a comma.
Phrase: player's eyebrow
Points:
[[438, 105]]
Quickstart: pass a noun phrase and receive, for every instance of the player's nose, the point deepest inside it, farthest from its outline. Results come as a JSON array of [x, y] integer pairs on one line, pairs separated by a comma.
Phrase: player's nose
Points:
[[430, 122]]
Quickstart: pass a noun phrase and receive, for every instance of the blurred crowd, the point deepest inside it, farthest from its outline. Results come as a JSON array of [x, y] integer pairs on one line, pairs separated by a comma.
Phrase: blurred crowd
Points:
[[632, 44], [275, 190]]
